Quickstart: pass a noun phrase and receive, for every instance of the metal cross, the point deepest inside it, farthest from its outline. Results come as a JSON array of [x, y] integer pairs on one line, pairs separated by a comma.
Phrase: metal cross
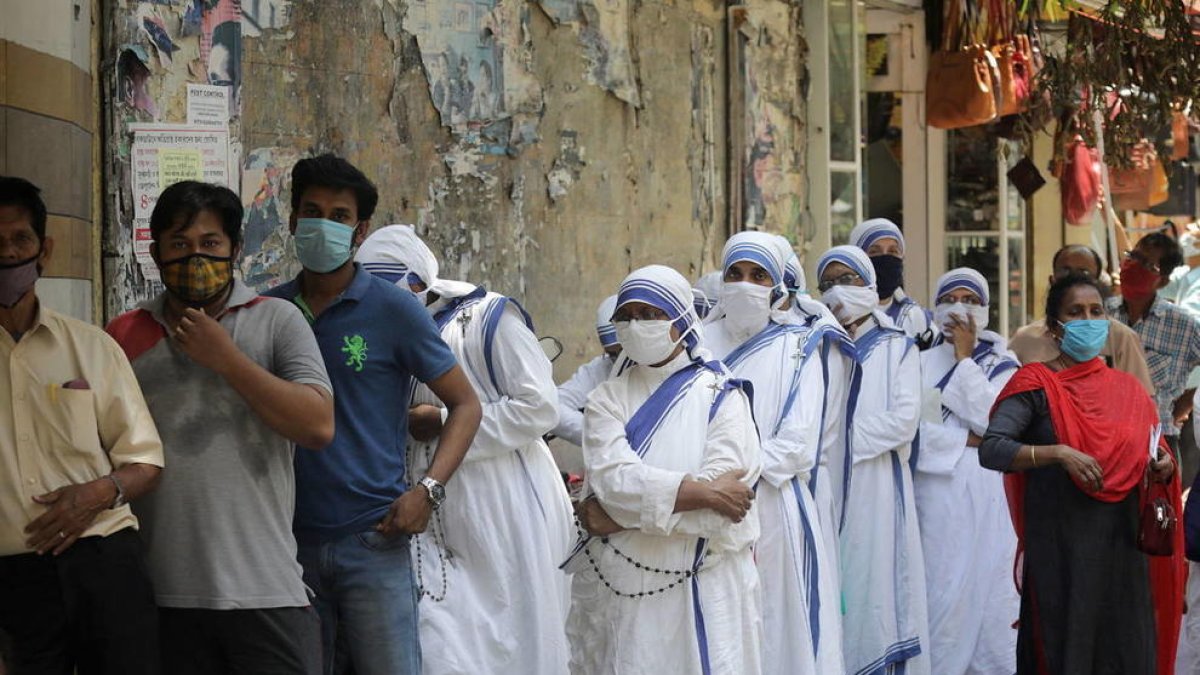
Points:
[[464, 318]]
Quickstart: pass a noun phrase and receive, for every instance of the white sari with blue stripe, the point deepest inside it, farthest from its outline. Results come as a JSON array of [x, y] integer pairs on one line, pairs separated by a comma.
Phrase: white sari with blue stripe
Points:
[[967, 535], [801, 604], [507, 521], [644, 431], [885, 624]]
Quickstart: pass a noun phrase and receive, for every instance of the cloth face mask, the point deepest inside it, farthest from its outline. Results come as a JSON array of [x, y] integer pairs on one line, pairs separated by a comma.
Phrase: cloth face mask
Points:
[[323, 245], [943, 313], [1137, 282], [889, 274], [747, 306], [850, 303], [18, 279], [1082, 340], [197, 279], [647, 343]]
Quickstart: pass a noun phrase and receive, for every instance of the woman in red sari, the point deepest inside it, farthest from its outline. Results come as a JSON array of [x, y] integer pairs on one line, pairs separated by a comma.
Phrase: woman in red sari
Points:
[[1077, 439]]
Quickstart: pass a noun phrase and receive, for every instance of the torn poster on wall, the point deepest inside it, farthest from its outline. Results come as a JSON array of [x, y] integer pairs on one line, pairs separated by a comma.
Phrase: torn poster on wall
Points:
[[261, 15], [476, 57], [268, 257], [603, 30], [221, 43], [770, 114], [133, 80], [165, 154]]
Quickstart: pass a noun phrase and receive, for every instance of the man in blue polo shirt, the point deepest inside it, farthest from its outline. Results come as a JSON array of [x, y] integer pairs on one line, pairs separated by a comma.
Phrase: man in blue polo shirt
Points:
[[354, 506]]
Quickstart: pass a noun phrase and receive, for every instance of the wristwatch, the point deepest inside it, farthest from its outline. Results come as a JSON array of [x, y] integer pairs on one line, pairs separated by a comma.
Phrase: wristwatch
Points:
[[437, 491]]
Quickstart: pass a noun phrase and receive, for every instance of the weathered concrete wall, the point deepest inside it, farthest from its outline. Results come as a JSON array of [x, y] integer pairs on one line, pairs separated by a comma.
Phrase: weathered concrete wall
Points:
[[47, 106], [604, 145]]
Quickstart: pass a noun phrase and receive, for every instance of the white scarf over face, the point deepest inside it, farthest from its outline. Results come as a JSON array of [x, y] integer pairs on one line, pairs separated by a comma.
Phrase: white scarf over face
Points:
[[397, 249]]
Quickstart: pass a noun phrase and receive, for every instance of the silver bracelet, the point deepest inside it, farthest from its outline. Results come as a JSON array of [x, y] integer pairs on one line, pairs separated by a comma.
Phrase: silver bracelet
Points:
[[119, 501]]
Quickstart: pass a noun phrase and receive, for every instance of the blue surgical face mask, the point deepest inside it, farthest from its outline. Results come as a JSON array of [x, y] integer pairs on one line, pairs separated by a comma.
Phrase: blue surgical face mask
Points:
[[1082, 340], [323, 245]]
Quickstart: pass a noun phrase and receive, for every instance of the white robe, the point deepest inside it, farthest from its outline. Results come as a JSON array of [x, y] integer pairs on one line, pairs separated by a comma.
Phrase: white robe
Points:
[[572, 395], [833, 473], [883, 570], [507, 521], [968, 538], [799, 578], [661, 633], [908, 316]]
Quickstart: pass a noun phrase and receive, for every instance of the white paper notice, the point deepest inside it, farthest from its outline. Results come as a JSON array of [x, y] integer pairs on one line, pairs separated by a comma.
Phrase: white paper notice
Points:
[[208, 106], [164, 154]]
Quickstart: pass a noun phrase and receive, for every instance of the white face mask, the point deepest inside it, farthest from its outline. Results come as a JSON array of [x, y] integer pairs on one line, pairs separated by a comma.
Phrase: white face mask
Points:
[[747, 306], [850, 303], [647, 343], [943, 312]]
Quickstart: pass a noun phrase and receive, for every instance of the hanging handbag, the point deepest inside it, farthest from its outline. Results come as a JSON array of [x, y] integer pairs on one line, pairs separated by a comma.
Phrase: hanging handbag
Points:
[[961, 86], [1011, 63], [1158, 520], [1141, 186]]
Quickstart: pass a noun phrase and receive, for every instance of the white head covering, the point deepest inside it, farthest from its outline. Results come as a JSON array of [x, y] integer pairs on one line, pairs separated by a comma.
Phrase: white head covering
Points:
[[604, 324], [851, 256], [707, 292], [962, 277], [666, 289], [396, 253], [797, 283], [761, 248], [870, 231]]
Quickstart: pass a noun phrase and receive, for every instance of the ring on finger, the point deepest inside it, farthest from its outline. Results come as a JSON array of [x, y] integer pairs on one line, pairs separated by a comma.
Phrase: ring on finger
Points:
[[62, 535]]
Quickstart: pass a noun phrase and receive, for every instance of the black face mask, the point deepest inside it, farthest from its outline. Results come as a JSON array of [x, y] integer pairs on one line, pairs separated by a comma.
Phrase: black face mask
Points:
[[889, 274]]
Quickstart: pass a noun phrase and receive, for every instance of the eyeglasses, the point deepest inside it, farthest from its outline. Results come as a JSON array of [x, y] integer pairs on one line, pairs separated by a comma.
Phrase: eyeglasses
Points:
[[1140, 258], [841, 280], [969, 300]]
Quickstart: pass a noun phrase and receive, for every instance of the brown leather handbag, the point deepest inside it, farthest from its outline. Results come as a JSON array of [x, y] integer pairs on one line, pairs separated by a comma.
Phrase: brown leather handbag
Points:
[[1141, 186], [962, 85]]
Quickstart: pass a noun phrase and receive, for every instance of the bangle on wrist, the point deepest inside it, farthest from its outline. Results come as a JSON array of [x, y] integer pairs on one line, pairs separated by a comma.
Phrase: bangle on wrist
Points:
[[119, 500], [1033, 455]]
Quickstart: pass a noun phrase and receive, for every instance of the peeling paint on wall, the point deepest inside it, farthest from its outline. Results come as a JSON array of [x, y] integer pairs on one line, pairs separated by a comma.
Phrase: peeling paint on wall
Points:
[[500, 187], [476, 58], [770, 52], [603, 31], [567, 165]]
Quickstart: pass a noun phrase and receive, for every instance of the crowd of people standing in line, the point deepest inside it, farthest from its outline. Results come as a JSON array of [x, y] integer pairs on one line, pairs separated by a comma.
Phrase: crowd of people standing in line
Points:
[[350, 473]]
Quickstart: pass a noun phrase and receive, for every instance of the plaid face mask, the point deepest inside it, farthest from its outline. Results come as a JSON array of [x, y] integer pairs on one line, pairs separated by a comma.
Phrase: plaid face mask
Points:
[[197, 279]]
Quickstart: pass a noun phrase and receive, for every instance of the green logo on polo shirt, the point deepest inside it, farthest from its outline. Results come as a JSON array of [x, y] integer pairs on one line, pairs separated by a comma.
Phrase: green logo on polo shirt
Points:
[[356, 348]]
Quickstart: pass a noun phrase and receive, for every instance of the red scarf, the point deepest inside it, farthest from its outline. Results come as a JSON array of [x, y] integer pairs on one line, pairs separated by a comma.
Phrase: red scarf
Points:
[[1105, 414]]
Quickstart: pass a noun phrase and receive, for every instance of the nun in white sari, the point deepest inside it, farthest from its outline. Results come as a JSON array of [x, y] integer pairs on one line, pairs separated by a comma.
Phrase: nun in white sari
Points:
[[965, 527], [885, 626], [664, 578], [831, 477], [492, 599], [762, 341]]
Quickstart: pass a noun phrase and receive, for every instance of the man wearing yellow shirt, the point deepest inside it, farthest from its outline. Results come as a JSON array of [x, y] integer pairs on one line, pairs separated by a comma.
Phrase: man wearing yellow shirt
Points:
[[76, 444]]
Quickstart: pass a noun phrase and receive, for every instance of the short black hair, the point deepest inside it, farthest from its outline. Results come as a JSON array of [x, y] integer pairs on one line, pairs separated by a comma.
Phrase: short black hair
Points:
[[1058, 291], [331, 171], [1069, 248], [180, 203], [1170, 254], [19, 192]]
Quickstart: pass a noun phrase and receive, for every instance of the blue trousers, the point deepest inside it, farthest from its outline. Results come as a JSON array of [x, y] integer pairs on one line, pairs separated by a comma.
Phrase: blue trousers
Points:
[[366, 596]]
